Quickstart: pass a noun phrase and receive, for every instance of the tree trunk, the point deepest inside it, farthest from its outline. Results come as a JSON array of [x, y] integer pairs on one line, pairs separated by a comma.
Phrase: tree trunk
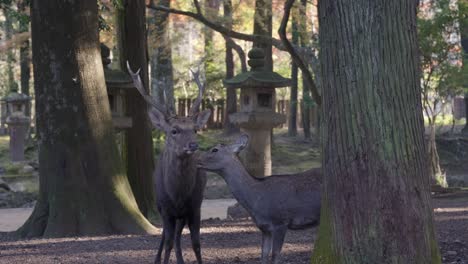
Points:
[[162, 81], [263, 26], [376, 205], [83, 189], [231, 97], [464, 43], [139, 142], [437, 176], [12, 85], [465, 129], [211, 10], [292, 125], [25, 62], [306, 97]]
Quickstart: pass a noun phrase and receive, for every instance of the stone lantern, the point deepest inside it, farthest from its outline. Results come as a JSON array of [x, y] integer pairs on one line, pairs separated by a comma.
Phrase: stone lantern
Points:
[[257, 114], [117, 83], [18, 123]]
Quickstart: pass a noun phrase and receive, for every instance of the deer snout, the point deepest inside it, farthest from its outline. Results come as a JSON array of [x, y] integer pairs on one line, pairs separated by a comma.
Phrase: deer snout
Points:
[[193, 146]]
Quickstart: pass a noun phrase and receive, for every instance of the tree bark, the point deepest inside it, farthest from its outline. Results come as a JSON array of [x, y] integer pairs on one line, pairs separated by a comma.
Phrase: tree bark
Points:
[[292, 125], [139, 142], [376, 205], [83, 188], [231, 96], [162, 81]]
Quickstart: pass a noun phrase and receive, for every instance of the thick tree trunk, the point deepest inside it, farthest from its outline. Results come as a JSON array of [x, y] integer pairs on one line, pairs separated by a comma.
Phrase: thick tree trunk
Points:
[[83, 188], [376, 204], [231, 97], [162, 81], [139, 142], [263, 26], [292, 125]]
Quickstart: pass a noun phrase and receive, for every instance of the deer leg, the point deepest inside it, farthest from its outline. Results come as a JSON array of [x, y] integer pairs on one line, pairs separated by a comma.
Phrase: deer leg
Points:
[[266, 246], [178, 232], [161, 245], [169, 230], [194, 226], [278, 238]]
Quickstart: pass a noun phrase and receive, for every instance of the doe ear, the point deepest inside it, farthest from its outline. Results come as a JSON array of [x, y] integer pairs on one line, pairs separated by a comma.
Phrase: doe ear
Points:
[[201, 118], [157, 119], [239, 144]]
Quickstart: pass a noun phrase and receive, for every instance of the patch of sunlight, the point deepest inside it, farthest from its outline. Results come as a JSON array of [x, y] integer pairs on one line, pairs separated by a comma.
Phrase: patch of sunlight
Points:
[[451, 210]]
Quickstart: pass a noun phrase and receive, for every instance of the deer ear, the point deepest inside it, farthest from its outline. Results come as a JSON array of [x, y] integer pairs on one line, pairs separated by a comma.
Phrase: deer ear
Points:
[[157, 119], [202, 117], [240, 144]]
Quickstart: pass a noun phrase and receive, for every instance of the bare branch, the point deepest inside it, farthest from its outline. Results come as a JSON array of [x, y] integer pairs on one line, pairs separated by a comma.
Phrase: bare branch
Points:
[[240, 52], [201, 89], [219, 28], [197, 6], [296, 58]]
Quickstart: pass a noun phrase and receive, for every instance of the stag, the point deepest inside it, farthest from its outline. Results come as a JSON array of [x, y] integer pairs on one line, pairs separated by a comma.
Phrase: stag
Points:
[[179, 184], [276, 203]]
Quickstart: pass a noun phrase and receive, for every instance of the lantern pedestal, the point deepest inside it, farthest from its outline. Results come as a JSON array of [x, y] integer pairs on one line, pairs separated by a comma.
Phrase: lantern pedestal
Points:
[[18, 126]]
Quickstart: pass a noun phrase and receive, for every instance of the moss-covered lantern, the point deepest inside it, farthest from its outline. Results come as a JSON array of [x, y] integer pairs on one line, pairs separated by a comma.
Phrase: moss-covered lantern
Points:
[[257, 115]]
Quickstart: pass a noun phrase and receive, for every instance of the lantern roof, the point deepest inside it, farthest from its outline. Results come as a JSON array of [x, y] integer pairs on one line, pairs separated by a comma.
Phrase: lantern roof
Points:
[[117, 79], [16, 97], [257, 77]]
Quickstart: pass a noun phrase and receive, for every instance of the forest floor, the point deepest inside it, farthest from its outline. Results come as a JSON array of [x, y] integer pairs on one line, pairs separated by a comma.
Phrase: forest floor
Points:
[[223, 241]]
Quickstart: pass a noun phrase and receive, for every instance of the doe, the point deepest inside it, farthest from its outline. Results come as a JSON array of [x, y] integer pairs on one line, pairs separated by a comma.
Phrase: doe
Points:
[[275, 203]]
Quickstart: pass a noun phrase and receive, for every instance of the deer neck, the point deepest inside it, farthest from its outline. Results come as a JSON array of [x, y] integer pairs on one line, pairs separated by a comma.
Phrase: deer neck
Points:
[[179, 173], [241, 184]]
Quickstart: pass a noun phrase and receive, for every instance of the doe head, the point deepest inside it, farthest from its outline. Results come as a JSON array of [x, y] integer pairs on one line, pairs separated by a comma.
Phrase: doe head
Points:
[[220, 156]]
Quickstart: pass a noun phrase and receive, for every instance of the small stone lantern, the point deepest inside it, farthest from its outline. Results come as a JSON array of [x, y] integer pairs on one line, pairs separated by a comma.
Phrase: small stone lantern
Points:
[[117, 83], [257, 114], [18, 123]]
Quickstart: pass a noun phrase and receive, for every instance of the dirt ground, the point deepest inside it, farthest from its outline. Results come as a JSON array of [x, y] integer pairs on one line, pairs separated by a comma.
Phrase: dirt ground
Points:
[[223, 241]]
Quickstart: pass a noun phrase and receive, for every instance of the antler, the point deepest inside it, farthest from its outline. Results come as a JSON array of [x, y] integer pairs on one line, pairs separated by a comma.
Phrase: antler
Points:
[[139, 85], [201, 89]]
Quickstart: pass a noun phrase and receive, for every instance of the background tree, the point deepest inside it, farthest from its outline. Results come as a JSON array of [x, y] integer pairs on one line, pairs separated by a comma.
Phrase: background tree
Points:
[[263, 26], [139, 142], [438, 25], [373, 137], [83, 187], [463, 9], [292, 121], [162, 81], [231, 96], [25, 59]]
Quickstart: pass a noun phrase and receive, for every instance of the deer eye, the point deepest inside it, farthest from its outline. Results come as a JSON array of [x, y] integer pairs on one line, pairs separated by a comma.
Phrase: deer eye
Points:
[[173, 131], [214, 150], [195, 131]]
